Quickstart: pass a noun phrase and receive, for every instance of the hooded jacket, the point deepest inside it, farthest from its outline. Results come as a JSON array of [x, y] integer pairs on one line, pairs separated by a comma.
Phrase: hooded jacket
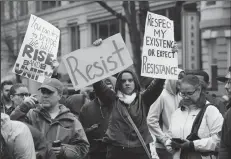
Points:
[[120, 132], [161, 110], [65, 127], [14, 134], [99, 114], [225, 145]]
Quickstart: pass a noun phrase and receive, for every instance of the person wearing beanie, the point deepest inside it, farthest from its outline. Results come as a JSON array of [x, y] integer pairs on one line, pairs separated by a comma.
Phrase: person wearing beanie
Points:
[[94, 117], [60, 127], [205, 141], [225, 145]]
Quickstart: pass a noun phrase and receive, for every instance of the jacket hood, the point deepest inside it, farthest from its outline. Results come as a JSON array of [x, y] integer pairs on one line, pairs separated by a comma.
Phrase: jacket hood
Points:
[[170, 86], [75, 103], [119, 81], [110, 80]]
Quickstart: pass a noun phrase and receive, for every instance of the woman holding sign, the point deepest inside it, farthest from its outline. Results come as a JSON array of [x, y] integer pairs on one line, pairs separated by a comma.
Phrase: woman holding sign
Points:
[[127, 134]]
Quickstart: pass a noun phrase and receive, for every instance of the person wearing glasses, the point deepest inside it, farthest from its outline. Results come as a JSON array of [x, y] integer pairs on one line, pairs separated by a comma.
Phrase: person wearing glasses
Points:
[[60, 127], [225, 145], [5, 103], [160, 113], [207, 138]]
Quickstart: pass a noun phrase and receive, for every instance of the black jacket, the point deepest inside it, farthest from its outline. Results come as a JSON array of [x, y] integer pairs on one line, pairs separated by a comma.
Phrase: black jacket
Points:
[[120, 132], [225, 145]]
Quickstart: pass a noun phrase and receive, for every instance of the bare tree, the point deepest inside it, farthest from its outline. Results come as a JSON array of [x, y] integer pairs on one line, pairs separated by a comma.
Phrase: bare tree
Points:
[[135, 20]]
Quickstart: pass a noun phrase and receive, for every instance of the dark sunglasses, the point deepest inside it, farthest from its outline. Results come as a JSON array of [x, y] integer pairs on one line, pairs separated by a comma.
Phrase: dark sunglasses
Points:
[[46, 91], [23, 94]]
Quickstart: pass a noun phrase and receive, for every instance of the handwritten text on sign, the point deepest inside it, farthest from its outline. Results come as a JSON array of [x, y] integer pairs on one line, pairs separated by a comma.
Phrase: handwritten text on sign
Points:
[[158, 60], [38, 49], [89, 65]]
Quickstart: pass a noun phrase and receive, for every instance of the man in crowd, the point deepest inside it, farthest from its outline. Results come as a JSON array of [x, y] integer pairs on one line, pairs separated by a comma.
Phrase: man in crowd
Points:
[[6, 103], [59, 126], [225, 145], [204, 78], [17, 93], [94, 117]]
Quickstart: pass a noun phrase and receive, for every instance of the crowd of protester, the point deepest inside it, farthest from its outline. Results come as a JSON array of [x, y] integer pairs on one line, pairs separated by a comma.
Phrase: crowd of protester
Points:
[[170, 119]]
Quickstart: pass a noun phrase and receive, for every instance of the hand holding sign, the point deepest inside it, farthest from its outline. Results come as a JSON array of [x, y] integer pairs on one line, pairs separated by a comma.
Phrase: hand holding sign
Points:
[[89, 65]]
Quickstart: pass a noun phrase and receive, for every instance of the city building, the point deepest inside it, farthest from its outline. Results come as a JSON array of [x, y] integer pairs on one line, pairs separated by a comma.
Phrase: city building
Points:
[[197, 33]]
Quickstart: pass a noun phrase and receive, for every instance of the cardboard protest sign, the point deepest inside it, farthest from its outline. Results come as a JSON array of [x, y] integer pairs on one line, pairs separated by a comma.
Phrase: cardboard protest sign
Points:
[[158, 60], [38, 49], [89, 65]]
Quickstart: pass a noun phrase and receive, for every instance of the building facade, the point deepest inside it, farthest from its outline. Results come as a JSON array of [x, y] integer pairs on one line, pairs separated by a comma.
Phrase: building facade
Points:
[[82, 22]]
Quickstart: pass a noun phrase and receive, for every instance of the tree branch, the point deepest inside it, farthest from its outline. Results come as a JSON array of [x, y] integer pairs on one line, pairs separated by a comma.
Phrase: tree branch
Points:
[[113, 12]]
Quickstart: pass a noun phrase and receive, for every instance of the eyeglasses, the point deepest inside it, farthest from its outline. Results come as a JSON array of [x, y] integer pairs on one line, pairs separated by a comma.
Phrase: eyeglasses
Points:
[[22, 94], [46, 91], [184, 94]]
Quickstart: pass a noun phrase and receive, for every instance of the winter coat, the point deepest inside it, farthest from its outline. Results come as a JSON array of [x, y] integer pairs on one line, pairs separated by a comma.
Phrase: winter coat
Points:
[[225, 145], [181, 125], [18, 138], [161, 110], [95, 113], [120, 132], [65, 127]]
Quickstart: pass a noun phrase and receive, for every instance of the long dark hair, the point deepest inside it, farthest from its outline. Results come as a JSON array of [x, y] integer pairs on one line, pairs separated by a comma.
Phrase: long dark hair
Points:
[[118, 86]]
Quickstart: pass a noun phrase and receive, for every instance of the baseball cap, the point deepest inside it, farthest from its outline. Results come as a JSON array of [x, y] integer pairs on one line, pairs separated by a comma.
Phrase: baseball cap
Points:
[[52, 84], [225, 78]]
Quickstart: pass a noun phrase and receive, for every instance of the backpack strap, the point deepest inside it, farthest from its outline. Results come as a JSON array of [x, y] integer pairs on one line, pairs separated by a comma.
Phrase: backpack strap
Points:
[[198, 120], [136, 129]]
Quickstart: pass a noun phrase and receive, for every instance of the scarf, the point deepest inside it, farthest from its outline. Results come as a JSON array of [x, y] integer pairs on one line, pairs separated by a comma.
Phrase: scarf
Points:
[[127, 99]]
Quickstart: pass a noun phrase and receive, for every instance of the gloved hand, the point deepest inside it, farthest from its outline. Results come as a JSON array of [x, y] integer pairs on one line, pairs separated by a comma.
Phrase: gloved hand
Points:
[[186, 145]]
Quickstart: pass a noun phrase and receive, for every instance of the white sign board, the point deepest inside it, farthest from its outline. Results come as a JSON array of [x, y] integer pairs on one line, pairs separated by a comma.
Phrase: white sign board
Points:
[[89, 65], [38, 49], [158, 60]]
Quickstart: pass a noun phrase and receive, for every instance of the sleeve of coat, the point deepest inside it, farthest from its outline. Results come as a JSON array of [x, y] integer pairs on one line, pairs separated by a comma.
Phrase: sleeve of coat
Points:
[[224, 151], [153, 120], [153, 91], [78, 146], [214, 121], [104, 93], [24, 149]]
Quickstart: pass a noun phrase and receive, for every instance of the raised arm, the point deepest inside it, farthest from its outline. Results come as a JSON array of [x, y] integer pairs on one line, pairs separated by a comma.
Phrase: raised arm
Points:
[[153, 91], [104, 93]]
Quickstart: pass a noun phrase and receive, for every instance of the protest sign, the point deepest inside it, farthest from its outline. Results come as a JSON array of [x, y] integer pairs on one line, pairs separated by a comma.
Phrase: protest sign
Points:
[[38, 49], [158, 60], [89, 65]]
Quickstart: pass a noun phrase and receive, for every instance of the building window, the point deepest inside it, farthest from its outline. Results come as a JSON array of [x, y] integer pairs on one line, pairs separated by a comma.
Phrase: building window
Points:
[[75, 37], [192, 58], [107, 28], [11, 9], [192, 66], [210, 3], [192, 34], [192, 42], [23, 8], [72, 1], [44, 5]]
